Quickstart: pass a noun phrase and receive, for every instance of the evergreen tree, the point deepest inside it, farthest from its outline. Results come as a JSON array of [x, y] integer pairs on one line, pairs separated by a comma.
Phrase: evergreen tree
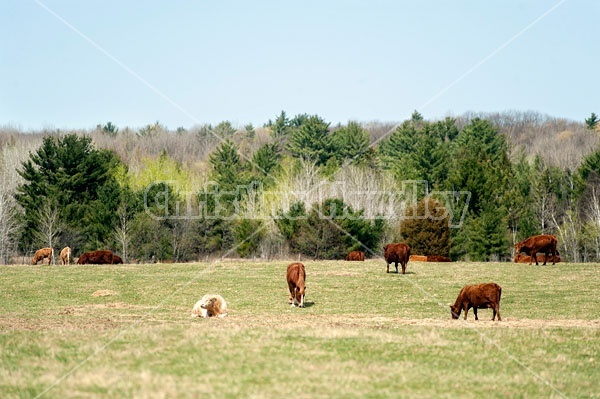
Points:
[[420, 150], [426, 228], [69, 173], [480, 165], [312, 141], [329, 230], [350, 142], [265, 161], [592, 121]]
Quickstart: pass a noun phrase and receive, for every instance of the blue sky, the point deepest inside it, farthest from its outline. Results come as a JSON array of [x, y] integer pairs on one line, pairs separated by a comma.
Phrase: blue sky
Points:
[[189, 62]]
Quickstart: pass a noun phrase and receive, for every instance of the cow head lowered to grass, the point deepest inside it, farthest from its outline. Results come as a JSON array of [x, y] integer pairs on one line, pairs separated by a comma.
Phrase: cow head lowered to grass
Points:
[[42, 254], [543, 243], [296, 279], [480, 296]]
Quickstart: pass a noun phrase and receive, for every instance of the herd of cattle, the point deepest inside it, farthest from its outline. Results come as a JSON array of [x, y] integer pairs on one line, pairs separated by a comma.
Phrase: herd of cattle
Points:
[[101, 257], [479, 296]]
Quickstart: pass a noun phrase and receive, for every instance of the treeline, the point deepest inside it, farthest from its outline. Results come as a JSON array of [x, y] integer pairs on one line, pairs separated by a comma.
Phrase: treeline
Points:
[[466, 187]]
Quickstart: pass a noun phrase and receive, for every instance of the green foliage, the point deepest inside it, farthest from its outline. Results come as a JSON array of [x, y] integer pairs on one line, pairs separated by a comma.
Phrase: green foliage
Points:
[[329, 230], [350, 142], [228, 170], [420, 150], [109, 129], [312, 141], [266, 161], [150, 130], [224, 130], [281, 127], [159, 169], [248, 235], [592, 121], [588, 171], [479, 164], [426, 228], [70, 173], [521, 218]]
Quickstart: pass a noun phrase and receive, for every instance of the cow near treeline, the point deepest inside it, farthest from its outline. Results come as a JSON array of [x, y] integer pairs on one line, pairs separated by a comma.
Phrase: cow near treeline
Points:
[[296, 280], [480, 296], [101, 257], [66, 256], [396, 253], [544, 243], [356, 256], [42, 254]]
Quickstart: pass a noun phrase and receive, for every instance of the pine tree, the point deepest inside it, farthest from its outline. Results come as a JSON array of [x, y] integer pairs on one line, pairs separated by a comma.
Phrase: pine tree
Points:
[[426, 228], [70, 174], [312, 141]]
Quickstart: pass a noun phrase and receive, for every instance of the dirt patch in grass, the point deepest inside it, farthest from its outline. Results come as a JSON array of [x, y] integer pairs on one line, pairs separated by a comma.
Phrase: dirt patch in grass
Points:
[[282, 322]]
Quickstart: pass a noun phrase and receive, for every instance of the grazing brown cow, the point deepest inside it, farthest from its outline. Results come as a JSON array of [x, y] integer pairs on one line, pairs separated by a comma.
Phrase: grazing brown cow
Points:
[[522, 258], [42, 254], [101, 257], [296, 279], [397, 253], [480, 296], [542, 243], [356, 256], [65, 256], [438, 258], [117, 260]]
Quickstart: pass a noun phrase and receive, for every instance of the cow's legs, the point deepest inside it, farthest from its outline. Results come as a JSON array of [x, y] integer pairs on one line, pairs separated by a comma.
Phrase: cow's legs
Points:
[[388, 268], [534, 256], [291, 288], [497, 311], [396, 263], [466, 309], [545, 258], [475, 312], [403, 267]]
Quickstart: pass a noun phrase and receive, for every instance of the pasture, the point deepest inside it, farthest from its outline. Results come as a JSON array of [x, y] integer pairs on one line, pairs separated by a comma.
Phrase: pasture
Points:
[[363, 334]]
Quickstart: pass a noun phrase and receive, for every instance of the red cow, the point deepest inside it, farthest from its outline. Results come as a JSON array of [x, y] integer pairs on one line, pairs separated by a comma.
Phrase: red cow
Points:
[[480, 296], [542, 243], [42, 254], [296, 279], [397, 253], [101, 257], [438, 258], [522, 258], [356, 256]]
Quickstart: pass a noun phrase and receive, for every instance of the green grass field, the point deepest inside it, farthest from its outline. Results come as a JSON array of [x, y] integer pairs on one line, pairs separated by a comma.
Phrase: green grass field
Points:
[[364, 333]]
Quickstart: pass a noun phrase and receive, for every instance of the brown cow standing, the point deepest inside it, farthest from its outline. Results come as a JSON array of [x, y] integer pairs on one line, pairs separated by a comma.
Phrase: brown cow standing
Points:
[[102, 257], [542, 243], [480, 296], [42, 254], [397, 253], [65, 256], [356, 256], [296, 279]]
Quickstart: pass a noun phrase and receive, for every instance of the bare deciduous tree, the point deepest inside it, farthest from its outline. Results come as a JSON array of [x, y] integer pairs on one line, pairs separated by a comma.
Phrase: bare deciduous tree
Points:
[[48, 227], [123, 230]]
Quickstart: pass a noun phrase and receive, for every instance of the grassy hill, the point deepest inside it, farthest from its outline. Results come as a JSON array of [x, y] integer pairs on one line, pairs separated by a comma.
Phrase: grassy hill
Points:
[[364, 333]]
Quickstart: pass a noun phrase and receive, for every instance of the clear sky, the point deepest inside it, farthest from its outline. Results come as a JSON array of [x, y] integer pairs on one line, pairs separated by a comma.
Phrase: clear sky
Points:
[[77, 63]]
